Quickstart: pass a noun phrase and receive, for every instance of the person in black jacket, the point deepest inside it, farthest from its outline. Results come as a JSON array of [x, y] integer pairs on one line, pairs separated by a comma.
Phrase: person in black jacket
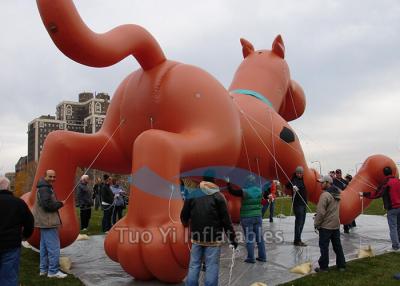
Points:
[[208, 218], [16, 223], [107, 203], [85, 202], [341, 184], [297, 186], [96, 193]]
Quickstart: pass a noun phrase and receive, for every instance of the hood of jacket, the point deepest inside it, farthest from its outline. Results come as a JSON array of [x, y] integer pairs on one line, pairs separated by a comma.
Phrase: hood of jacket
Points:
[[208, 188], [335, 192]]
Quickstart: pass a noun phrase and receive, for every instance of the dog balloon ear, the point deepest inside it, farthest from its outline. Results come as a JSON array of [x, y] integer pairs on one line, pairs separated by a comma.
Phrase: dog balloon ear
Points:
[[247, 47], [278, 47]]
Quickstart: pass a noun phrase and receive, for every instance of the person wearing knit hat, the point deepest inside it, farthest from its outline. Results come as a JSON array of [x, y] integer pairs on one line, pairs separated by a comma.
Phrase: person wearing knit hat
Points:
[[250, 218], [297, 187]]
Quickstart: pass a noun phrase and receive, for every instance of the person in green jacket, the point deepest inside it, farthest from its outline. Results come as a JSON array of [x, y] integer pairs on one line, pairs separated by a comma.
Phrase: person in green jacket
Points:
[[250, 218]]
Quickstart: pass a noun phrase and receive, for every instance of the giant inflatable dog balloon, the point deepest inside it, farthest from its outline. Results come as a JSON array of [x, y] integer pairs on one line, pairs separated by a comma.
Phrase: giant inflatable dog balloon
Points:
[[167, 118]]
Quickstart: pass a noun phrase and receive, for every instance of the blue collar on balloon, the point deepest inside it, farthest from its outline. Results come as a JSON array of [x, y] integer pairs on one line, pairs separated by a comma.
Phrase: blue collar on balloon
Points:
[[253, 93]]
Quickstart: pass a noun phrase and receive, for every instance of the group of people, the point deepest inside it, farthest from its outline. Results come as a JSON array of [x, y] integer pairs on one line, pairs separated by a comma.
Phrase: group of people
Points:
[[206, 214], [108, 194], [18, 222], [112, 198], [341, 183], [208, 218]]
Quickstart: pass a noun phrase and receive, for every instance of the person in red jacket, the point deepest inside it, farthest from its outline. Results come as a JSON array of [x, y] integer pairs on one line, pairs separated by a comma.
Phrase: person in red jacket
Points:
[[389, 191]]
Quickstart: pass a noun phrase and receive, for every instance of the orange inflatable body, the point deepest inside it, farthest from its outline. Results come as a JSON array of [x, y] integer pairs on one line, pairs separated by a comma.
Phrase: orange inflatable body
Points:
[[170, 117]]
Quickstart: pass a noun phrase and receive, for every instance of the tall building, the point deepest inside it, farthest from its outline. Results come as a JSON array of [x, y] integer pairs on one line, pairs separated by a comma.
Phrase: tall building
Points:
[[85, 116]]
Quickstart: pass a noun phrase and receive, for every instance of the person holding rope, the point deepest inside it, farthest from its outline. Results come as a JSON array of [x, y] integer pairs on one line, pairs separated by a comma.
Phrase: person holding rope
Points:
[[327, 223], [107, 203], [85, 202], [250, 218], [47, 218], [299, 191], [208, 218], [389, 191]]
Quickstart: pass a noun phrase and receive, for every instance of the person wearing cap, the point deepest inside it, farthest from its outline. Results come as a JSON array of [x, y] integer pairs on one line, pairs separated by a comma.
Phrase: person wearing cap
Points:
[[85, 202], [389, 191], [327, 222], [107, 203], [16, 223], [47, 219], [299, 191], [338, 181], [341, 184], [208, 218], [348, 179], [250, 218]]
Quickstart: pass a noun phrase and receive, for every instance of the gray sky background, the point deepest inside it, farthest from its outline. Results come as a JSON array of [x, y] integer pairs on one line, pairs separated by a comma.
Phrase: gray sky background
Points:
[[345, 54]]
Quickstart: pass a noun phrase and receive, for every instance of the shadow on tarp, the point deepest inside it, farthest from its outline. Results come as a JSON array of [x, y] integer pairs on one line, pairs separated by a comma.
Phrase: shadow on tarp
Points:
[[91, 265]]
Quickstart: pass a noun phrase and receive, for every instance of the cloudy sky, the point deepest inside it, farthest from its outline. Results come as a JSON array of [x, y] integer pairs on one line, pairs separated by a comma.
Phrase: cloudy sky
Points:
[[345, 54]]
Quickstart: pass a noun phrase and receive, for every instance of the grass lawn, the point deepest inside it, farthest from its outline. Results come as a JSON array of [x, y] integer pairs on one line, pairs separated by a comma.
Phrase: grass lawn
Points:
[[29, 272], [373, 271], [379, 269]]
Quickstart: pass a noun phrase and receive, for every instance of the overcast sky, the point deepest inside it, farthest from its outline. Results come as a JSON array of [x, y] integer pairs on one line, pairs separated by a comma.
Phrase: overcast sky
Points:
[[345, 54]]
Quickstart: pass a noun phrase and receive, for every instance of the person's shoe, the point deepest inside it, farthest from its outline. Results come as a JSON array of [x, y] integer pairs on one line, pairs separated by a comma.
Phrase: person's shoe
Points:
[[299, 243], [341, 269], [393, 250], [261, 259], [59, 274], [271, 220], [85, 229], [346, 231], [42, 273], [321, 269], [248, 260]]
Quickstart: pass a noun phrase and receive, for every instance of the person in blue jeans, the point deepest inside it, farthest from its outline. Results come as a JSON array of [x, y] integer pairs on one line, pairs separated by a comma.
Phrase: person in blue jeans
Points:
[[16, 222], [47, 218], [299, 191], [208, 218], [250, 218], [389, 191], [119, 201]]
